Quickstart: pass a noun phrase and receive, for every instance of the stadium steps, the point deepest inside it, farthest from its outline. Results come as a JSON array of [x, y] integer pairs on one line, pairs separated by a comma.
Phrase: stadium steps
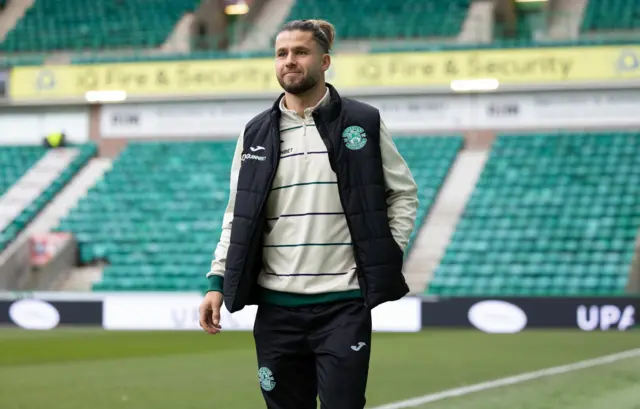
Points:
[[434, 236], [26, 197], [58, 207], [80, 278], [179, 41], [12, 13], [35, 191], [16, 162], [566, 19], [478, 24], [68, 198], [266, 26]]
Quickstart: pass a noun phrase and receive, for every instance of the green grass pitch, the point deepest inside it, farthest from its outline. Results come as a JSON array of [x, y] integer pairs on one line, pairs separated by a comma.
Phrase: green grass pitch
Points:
[[95, 369]]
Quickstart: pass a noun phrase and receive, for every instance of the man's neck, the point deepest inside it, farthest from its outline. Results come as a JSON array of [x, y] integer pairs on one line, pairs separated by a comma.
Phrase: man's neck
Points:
[[306, 100]]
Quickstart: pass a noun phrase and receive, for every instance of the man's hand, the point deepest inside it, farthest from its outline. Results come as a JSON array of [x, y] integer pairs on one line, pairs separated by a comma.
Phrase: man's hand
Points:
[[210, 312]]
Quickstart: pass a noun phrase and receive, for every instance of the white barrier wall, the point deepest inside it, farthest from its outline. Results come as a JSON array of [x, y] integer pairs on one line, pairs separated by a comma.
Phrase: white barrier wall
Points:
[[28, 126], [432, 113]]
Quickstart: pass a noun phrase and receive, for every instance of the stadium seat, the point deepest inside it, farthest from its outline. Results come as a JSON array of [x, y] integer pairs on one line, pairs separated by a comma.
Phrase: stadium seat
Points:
[[604, 15], [81, 25], [552, 214], [156, 216]]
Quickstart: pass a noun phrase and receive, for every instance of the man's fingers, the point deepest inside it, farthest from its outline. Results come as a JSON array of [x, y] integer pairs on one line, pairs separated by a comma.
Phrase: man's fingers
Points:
[[204, 315], [210, 313], [215, 317]]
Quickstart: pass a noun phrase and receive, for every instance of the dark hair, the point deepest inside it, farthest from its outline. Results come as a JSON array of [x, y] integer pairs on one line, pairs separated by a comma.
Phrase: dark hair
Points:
[[323, 32]]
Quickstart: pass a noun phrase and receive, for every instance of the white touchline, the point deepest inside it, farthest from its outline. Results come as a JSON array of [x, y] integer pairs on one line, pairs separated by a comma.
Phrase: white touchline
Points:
[[511, 380]]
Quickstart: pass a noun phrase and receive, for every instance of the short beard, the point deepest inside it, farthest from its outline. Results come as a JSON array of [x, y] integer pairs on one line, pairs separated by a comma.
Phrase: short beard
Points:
[[299, 88]]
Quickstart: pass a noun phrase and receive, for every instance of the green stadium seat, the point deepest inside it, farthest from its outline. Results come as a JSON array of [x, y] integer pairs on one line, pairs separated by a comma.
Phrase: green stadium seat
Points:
[[552, 214]]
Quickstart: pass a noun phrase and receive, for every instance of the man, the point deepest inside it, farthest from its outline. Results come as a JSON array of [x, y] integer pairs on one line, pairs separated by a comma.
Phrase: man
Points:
[[321, 209]]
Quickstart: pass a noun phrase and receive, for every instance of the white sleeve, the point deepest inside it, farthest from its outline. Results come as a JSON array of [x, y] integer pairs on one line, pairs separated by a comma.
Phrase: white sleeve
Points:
[[402, 191], [220, 254]]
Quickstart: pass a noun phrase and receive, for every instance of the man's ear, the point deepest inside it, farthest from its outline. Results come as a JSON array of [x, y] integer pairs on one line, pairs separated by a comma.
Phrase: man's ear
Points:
[[326, 62]]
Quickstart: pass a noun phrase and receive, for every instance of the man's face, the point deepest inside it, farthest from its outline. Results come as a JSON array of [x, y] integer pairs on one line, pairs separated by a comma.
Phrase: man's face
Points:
[[300, 62]]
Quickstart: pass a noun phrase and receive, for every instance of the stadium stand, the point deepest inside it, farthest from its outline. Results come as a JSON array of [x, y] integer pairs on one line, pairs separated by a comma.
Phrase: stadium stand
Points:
[[54, 25], [552, 214], [135, 27], [156, 216], [387, 18], [118, 221], [15, 161]]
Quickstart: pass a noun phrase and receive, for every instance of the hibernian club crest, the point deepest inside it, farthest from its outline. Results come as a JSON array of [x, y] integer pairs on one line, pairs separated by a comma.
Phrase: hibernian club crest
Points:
[[354, 137], [267, 381]]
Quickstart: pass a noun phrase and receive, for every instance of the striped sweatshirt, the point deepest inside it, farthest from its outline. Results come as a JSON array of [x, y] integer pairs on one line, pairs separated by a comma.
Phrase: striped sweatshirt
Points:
[[308, 253]]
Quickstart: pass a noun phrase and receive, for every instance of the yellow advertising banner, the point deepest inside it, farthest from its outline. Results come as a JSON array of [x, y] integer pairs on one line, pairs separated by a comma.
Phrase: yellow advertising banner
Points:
[[352, 71]]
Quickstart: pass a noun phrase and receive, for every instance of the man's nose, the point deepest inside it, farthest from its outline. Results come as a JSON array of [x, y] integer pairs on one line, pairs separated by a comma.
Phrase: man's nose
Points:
[[291, 60]]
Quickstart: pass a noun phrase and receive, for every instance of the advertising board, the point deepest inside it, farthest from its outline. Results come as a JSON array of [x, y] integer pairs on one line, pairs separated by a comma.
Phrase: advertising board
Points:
[[400, 71], [151, 311], [180, 312], [515, 314], [38, 313]]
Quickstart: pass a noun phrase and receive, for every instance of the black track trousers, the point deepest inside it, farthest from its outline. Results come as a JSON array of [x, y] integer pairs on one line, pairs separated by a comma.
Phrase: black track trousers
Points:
[[321, 350]]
